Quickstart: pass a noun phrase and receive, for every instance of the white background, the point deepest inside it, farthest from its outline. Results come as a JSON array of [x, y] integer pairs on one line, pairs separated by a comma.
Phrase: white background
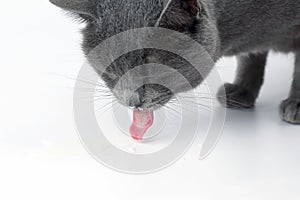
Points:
[[41, 156]]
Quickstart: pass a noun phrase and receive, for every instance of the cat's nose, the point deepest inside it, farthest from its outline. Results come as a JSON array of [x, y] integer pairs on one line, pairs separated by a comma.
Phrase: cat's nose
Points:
[[151, 59], [135, 101]]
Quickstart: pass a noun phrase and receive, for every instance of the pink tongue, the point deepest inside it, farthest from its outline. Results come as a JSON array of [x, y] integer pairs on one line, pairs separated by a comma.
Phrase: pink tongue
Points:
[[142, 121]]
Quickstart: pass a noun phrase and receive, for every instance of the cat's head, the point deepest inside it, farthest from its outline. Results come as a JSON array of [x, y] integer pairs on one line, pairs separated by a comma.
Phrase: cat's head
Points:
[[106, 18]]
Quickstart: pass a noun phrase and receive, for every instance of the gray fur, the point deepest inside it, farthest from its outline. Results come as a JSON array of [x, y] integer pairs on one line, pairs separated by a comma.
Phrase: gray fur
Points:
[[246, 28], [290, 108], [249, 79]]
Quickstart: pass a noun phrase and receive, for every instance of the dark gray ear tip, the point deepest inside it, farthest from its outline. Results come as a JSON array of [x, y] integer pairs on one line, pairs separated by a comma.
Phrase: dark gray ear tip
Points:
[[85, 7], [55, 2], [65, 4]]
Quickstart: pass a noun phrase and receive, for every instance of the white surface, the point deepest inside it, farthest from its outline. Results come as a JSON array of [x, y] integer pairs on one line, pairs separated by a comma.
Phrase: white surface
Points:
[[41, 156]]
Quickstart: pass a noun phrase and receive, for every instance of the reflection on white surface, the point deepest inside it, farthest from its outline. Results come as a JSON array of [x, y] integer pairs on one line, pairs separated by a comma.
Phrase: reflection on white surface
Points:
[[115, 120], [258, 156]]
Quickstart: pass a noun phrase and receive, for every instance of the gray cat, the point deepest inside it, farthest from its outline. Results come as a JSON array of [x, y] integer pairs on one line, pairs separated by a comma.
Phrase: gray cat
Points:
[[248, 29]]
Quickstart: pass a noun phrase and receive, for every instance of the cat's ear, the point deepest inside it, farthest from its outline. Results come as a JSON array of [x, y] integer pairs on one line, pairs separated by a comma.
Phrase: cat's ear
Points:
[[191, 5], [84, 7], [179, 14]]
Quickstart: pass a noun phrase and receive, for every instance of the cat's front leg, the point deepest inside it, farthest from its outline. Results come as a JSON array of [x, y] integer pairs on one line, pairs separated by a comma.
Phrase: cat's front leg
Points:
[[290, 108], [249, 79]]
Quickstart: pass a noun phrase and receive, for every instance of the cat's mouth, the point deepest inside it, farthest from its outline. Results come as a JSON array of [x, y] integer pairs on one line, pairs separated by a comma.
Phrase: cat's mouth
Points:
[[142, 121]]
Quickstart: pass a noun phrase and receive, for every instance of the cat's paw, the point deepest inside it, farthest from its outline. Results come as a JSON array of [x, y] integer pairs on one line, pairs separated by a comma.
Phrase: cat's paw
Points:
[[290, 110], [235, 96]]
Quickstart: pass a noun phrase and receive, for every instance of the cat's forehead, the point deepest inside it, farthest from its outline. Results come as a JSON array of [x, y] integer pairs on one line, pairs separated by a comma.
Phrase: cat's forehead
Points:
[[126, 5], [131, 13]]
